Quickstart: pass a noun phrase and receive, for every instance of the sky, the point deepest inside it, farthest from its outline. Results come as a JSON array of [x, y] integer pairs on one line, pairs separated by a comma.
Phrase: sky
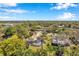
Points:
[[39, 11]]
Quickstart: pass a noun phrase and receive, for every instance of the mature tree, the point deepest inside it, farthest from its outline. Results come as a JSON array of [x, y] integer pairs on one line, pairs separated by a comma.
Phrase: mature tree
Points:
[[12, 46], [22, 31], [74, 50], [9, 31]]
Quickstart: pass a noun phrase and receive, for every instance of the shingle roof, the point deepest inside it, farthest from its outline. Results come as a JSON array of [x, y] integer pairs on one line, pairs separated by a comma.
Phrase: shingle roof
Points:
[[60, 41]]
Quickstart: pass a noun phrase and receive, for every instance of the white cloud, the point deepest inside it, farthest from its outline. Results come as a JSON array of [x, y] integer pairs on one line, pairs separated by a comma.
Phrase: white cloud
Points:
[[10, 18], [8, 4], [63, 6], [15, 11], [4, 7], [66, 16], [6, 18]]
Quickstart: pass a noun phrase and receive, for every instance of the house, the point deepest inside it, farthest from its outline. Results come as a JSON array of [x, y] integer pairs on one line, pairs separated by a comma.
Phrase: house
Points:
[[7, 24], [75, 41], [62, 42], [61, 25], [30, 41], [37, 42]]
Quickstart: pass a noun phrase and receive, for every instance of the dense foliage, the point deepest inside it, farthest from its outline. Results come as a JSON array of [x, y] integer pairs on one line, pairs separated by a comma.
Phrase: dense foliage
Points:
[[17, 40]]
